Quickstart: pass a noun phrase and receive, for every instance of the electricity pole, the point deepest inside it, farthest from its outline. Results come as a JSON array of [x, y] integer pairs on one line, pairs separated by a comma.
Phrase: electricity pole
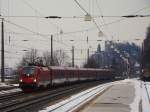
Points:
[[88, 55], [51, 49], [72, 56], [2, 51]]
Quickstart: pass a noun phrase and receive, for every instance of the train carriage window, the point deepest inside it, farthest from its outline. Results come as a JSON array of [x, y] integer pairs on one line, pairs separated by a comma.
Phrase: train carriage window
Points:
[[54, 74], [69, 74], [72, 73], [58, 73], [62, 73]]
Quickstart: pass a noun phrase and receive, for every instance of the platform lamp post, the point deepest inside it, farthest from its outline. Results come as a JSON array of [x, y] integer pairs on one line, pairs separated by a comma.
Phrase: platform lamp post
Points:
[[2, 51]]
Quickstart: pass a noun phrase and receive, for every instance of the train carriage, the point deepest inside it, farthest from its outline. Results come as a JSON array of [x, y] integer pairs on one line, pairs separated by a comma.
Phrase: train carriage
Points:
[[58, 75]]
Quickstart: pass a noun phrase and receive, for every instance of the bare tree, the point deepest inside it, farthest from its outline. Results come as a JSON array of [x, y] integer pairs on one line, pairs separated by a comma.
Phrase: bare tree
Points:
[[91, 63], [146, 50], [47, 58], [59, 58], [29, 57], [148, 33]]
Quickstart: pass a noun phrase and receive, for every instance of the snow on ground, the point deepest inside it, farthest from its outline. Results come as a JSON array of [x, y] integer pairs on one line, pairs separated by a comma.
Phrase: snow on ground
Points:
[[77, 100], [141, 99], [16, 85], [9, 91], [7, 84], [4, 85], [145, 96], [142, 96], [137, 86], [135, 104]]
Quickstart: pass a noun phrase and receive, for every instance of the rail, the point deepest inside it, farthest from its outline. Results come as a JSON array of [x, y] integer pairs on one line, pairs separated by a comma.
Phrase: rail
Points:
[[19, 104]]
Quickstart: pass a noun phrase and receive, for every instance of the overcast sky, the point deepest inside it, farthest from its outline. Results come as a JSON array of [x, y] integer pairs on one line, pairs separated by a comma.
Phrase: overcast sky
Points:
[[21, 28]]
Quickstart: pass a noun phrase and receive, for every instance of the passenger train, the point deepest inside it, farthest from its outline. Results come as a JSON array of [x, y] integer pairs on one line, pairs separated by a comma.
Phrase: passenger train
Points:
[[33, 77]]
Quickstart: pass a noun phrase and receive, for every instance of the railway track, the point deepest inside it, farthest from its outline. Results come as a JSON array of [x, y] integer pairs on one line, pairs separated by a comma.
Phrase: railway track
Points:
[[51, 95], [5, 92], [7, 88], [10, 96]]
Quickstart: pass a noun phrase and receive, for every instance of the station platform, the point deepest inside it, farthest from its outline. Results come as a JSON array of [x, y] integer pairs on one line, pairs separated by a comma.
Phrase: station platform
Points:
[[116, 99]]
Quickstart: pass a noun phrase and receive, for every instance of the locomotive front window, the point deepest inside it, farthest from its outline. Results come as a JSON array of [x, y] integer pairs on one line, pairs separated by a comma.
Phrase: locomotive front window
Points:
[[28, 70]]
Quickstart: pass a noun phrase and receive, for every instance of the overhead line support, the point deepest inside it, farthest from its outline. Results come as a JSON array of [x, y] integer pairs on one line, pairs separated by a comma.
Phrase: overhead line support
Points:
[[2, 51]]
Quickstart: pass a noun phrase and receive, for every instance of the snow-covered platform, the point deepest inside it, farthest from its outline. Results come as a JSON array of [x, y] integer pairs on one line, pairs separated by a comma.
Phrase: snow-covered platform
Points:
[[118, 98]]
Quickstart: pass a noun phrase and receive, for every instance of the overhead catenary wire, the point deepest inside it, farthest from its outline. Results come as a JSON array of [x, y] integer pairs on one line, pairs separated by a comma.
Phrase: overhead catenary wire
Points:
[[88, 14], [98, 6], [42, 35], [109, 23], [90, 28], [65, 33], [35, 10], [46, 36], [36, 33], [41, 15], [20, 46], [73, 17], [0, 7]]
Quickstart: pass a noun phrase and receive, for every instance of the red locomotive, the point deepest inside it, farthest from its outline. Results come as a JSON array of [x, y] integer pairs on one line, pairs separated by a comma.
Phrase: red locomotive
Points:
[[37, 76]]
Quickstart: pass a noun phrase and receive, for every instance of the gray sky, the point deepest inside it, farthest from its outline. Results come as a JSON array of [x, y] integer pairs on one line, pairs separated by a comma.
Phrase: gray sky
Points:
[[124, 30]]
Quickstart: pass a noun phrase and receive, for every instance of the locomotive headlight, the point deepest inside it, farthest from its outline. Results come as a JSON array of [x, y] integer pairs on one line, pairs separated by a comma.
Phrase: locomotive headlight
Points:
[[20, 80], [34, 80]]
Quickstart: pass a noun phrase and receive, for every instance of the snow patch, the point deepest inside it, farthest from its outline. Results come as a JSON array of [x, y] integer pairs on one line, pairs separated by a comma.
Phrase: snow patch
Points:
[[135, 104], [145, 100], [10, 91], [4, 85], [16, 85]]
